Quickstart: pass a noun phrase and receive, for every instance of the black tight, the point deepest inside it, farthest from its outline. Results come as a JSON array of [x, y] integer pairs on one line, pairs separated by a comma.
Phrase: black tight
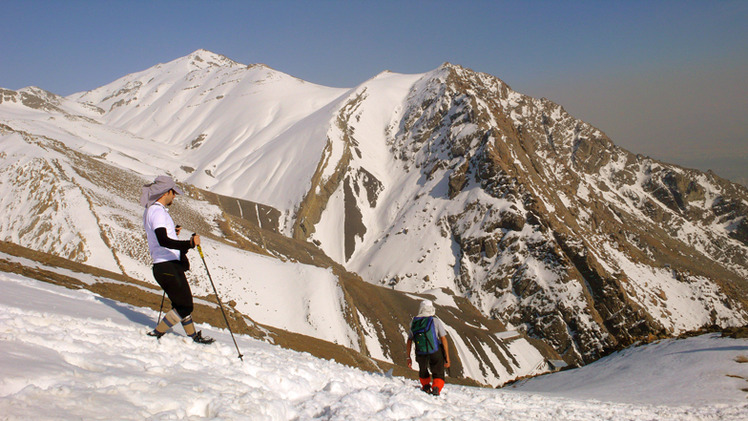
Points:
[[431, 362], [170, 276]]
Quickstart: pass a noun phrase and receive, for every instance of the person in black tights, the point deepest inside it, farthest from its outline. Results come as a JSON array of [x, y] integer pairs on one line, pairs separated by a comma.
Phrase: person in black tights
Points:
[[169, 256]]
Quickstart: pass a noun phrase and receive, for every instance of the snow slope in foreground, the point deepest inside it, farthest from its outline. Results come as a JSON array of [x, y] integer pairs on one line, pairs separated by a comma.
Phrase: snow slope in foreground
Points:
[[70, 354]]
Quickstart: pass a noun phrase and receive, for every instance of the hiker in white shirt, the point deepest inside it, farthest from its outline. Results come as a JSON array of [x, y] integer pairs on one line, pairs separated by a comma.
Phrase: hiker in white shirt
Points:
[[169, 256]]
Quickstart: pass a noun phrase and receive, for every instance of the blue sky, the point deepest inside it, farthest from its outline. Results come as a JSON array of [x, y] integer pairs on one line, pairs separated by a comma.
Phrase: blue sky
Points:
[[662, 78]]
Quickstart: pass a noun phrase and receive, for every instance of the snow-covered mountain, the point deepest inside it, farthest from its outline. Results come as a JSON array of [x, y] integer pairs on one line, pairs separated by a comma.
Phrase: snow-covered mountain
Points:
[[71, 185], [446, 183]]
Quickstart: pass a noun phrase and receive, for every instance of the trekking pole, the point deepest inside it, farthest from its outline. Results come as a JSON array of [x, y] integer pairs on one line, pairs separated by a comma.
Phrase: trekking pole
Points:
[[200, 250], [160, 309]]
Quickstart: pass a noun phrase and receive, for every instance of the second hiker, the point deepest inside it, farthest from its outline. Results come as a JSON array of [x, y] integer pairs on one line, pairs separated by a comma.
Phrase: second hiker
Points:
[[432, 353]]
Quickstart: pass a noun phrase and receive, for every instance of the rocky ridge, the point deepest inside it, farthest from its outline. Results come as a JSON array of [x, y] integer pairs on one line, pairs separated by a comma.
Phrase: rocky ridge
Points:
[[557, 230]]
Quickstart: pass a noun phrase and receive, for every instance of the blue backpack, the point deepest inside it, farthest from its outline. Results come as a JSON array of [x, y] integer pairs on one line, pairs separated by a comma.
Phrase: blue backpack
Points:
[[424, 335]]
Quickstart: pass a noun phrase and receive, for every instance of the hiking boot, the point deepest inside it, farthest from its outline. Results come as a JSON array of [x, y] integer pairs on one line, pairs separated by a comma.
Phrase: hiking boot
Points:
[[156, 334], [199, 338], [426, 388], [435, 391]]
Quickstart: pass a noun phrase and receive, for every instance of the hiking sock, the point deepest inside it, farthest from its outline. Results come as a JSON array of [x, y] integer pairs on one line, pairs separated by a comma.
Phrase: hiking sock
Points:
[[438, 386], [189, 326], [170, 319], [425, 381]]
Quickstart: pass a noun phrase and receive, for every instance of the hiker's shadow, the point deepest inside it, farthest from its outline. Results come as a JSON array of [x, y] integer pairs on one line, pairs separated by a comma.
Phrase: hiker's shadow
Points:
[[132, 315]]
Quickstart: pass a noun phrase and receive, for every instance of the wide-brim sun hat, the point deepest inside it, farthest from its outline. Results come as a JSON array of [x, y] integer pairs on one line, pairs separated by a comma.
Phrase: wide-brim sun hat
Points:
[[426, 309], [153, 191]]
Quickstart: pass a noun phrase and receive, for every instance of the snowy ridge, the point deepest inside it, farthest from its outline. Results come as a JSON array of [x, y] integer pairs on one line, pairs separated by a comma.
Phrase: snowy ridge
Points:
[[225, 124]]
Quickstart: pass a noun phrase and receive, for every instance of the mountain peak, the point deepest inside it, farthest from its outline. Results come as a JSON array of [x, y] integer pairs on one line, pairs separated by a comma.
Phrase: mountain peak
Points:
[[203, 58], [453, 67]]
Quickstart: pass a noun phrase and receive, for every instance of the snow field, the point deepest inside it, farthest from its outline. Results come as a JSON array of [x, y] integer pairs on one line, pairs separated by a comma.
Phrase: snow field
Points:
[[69, 354]]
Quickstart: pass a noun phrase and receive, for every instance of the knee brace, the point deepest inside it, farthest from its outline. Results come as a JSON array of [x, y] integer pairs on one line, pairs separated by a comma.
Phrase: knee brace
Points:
[[170, 319], [189, 326]]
